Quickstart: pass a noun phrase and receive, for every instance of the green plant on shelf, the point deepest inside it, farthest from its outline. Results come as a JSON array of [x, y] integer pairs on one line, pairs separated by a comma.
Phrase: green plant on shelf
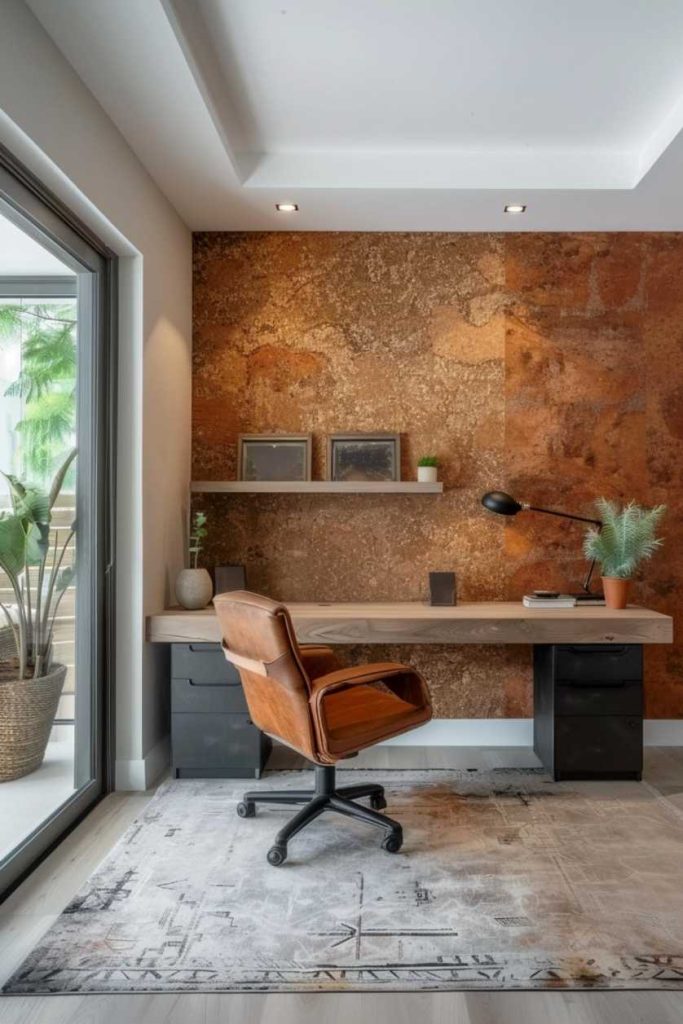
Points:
[[428, 460], [197, 535], [626, 538]]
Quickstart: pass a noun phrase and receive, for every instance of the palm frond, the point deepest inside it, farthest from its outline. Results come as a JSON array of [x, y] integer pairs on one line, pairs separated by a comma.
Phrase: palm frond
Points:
[[10, 320], [46, 428], [46, 384], [626, 538]]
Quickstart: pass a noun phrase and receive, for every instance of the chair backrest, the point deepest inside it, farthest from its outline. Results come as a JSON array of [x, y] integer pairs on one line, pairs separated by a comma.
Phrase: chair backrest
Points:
[[259, 639]]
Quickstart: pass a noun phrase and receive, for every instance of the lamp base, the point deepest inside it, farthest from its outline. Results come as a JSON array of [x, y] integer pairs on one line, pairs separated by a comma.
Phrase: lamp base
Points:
[[584, 598]]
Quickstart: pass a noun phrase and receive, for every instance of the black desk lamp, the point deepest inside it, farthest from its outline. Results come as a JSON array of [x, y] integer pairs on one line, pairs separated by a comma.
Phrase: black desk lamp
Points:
[[505, 505]]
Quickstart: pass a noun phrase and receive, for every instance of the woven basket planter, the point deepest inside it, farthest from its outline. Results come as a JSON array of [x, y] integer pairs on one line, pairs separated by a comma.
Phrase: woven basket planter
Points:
[[27, 712]]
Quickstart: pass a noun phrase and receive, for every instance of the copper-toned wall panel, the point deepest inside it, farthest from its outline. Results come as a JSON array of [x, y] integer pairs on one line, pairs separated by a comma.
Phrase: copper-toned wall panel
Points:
[[550, 364]]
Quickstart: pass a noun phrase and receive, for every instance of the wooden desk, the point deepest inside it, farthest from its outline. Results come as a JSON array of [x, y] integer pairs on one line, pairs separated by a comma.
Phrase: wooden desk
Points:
[[495, 622], [588, 674]]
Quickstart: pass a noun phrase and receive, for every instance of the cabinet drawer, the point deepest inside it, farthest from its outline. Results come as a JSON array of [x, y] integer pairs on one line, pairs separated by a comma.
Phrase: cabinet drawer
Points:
[[578, 698], [189, 695], [214, 741], [599, 663], [610, 744], [202, 663]]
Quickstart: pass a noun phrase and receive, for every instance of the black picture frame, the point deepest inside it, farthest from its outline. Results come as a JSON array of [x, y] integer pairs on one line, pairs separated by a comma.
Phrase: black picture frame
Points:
[[369, 457], [273, 457]]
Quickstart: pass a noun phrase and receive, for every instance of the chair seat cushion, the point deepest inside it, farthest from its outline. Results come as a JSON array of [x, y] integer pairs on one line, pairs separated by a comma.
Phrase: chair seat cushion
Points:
[[359, 716]]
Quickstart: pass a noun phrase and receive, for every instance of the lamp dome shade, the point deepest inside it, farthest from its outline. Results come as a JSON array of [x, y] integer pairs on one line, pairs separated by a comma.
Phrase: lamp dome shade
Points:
[[502, 503]]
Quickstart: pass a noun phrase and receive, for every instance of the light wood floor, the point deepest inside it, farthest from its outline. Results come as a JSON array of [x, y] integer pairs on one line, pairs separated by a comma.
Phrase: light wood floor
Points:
[[34, 906]]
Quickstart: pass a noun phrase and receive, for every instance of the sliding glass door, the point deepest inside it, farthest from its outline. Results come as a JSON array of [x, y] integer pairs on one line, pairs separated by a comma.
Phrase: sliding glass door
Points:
[[56, 531]]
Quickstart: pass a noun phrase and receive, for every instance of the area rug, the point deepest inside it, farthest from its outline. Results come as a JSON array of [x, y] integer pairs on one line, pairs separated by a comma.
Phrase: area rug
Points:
[[505, 881]]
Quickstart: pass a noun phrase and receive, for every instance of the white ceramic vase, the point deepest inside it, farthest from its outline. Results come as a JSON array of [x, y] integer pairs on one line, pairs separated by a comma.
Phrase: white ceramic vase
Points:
[[426, 474], [193, 588]]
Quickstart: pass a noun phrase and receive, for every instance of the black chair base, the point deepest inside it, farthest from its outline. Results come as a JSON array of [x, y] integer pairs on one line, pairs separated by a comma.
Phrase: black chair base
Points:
[[325, 797]]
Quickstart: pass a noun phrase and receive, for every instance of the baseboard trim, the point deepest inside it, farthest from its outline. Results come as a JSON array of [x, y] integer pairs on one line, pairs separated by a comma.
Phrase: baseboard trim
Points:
[[440, 732], [142, 773], [514, 732], [663, 732]]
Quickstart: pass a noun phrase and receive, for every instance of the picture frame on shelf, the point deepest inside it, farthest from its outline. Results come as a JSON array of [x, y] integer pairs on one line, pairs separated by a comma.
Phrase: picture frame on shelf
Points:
[[371, 457], [270, 457]]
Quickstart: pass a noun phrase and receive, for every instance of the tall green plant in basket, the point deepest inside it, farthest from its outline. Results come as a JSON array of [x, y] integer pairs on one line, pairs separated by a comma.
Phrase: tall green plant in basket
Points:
[[35, 571]]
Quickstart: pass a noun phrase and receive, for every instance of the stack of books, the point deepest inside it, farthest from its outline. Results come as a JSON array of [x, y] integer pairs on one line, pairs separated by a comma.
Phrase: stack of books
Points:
[[549, 601]]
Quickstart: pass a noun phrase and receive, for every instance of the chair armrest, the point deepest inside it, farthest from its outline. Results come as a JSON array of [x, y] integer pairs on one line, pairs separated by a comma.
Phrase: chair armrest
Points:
[[318, 660], [356, 676], [402, 680]]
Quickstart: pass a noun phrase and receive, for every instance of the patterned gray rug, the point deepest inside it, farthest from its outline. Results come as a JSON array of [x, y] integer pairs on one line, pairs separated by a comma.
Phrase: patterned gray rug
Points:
[[505, 881]]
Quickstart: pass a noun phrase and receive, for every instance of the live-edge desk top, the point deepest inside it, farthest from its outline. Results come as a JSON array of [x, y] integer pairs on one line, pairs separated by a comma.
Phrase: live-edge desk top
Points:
[[495, 622]]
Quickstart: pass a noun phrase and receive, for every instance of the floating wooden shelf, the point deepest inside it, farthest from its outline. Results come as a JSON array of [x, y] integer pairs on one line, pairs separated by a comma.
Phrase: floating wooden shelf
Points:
[[314, 487]]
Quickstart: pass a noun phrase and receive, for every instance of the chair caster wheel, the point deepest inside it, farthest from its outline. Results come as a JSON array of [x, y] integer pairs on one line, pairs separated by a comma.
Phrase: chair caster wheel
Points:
[[377, 802], [276, 855], [245, 810], [393, 842]]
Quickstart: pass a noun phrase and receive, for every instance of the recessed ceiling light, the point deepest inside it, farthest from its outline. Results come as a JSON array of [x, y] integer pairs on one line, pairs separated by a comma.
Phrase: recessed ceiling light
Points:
[[515, 208], [286, 207]]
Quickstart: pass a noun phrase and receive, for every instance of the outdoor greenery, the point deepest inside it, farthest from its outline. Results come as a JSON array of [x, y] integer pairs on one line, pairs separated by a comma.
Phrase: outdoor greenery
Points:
[[428, 460], [46, 382], [626, 538], [25, 546], [197, 535]]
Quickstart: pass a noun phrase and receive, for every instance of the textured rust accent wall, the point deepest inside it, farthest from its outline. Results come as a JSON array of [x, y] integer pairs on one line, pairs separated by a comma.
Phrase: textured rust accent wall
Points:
[[549, 364]]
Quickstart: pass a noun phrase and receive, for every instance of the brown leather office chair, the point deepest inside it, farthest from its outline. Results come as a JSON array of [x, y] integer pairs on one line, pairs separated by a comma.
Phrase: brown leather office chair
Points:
[[303, 697]]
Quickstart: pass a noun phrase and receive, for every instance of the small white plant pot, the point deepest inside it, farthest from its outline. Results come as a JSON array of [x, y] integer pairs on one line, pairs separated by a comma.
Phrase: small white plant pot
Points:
[[193, 588], [427, 474]]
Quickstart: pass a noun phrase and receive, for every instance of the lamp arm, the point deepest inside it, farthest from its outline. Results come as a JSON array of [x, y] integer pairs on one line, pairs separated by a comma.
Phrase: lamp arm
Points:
[[563, 515], [589, 575], [586, 585]]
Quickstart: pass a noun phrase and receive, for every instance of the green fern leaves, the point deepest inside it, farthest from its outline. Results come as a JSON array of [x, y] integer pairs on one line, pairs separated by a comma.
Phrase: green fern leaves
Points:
[[626, 538]]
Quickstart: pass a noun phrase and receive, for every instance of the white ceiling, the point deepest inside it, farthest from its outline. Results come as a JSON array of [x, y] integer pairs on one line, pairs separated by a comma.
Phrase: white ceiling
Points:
[[393, 114], [21, 256]]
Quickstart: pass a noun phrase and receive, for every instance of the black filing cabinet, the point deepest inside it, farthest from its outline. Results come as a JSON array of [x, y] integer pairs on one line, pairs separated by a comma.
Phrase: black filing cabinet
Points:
[[588, 710], [212, 735]]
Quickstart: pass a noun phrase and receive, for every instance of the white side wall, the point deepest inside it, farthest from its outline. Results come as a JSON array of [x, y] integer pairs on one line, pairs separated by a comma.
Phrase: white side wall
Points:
[[51, 122]]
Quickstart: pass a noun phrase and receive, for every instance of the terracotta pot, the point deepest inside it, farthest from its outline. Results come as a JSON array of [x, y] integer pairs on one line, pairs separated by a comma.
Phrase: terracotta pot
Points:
[[616, 591], [27, 713]]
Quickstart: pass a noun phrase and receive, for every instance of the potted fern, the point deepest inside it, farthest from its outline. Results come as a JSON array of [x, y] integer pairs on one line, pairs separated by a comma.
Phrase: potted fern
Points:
[[30, 681], [626, 537], [427, 468], [193, 586]]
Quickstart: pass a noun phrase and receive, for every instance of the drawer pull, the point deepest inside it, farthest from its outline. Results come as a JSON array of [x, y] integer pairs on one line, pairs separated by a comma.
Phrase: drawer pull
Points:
[[586, 648], [203, 684]]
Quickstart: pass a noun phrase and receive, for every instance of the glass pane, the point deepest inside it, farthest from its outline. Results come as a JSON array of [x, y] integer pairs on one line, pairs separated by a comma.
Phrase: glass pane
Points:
[[38, 429]]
